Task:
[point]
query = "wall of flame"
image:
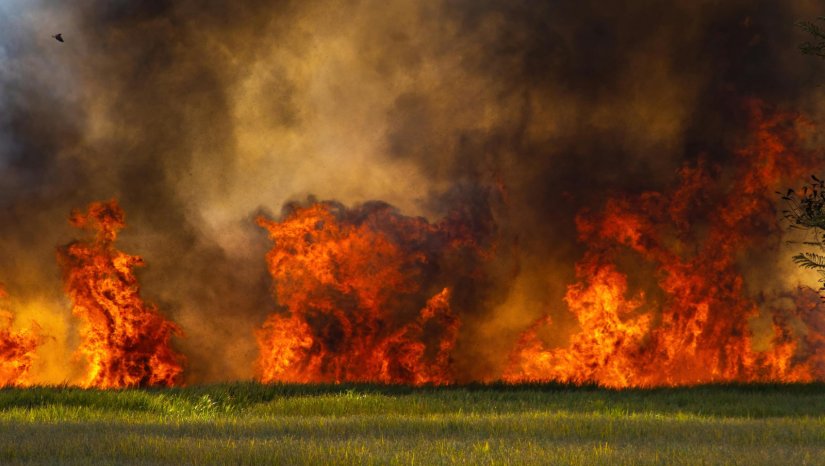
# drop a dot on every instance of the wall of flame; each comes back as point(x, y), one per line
point(200, 116)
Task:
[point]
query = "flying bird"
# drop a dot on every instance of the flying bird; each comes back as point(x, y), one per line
point(58, 37)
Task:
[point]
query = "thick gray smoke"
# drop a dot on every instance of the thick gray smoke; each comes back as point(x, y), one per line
point(197, 115)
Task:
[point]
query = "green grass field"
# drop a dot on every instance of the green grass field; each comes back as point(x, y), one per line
point(247, 423)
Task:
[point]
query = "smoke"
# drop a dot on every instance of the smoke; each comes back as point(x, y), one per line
point(197, 115)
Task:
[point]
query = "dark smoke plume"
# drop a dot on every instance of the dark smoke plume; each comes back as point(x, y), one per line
point(197, 115)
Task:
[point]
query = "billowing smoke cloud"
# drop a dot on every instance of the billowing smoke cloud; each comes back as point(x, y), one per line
point(198, 115)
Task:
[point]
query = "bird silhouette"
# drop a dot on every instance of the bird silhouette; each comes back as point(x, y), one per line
point(58, 37)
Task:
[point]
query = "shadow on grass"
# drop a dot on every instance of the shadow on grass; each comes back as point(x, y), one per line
point(722, 400)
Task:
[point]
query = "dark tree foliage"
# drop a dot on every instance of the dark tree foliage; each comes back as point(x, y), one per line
point(817, 47)
point(806, 211)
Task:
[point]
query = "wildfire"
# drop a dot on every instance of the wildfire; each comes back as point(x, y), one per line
point(17, 350)
point(360, 295)
point(125, 340)
point(696, 329)
point(367, 294)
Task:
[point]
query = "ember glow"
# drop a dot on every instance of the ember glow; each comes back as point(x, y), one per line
point(125, 341)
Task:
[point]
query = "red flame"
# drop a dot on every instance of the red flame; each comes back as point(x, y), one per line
point(351, 283)
point(125, 340)
point(692, 326)
point(367, 294)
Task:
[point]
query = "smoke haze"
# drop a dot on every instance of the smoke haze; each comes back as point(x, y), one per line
point(198, 116)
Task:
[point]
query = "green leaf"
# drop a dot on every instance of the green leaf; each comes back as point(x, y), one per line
point(810, 260)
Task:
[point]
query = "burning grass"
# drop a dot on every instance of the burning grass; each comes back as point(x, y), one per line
point(672, 288)
point(367, 294)
point(377, 424)
point(125, 340)
point(691, 240)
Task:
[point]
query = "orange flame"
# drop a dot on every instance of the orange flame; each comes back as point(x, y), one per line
point(695, 328)
point(17, 350)
point(125, 341)
point(350, 282)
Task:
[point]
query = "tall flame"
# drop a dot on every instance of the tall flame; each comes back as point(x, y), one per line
point(17, 349)
point(354, 286)
point(693, 325)
point(125, 340)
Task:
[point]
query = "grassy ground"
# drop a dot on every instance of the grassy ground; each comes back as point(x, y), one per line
point(360, 424)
